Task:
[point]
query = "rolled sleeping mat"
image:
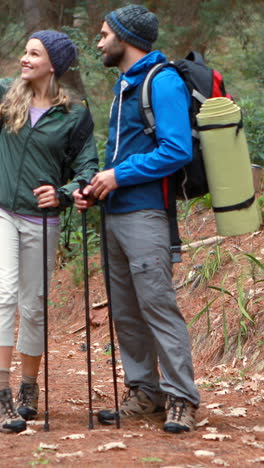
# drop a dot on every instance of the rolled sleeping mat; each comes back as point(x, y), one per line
point(217, 104)
point(217, 108)
point(228, 167)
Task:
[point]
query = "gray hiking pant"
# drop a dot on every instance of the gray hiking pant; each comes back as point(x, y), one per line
point(149, 325)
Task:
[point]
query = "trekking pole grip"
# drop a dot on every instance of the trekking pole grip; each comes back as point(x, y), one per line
point(82, 184)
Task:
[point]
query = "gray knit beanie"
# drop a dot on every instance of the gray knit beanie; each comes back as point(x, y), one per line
point(134, 24)
point(62, 51)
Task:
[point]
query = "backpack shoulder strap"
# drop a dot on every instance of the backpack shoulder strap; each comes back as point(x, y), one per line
point(193, 63)
point(145, 104)
point(80, 133)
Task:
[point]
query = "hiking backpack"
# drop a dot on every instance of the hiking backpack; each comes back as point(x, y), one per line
point(202, 82)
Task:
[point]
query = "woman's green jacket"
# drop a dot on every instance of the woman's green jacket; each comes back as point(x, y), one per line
point(59, 140)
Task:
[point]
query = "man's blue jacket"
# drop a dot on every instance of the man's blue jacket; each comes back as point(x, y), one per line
point(140, 162)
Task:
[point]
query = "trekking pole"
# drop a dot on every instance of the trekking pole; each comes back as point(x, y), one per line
point(110, 314)
point(45, 310)
point(82, 184)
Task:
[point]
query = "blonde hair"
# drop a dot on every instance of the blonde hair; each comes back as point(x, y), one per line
point(14, 108)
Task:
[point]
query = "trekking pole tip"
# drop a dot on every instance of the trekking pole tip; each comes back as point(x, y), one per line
point(117, 418)
point(46, 426)
point(90, 424)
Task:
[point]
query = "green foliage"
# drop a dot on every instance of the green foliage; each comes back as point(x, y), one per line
point(255, 260)
point(151, 460)
point(242, 301)
point(41, 456)
point(211, 264)
point(242, 295)
point(70, 250)
point(188, 208)
point(201, 313)
point(253, 118)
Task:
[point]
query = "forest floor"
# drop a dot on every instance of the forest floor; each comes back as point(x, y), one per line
point(230, 420)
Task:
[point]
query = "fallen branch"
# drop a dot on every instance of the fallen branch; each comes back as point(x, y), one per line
point(209, 241)
point(98, 305)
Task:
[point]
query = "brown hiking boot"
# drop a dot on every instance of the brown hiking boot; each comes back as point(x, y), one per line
point(10, 420)
point(27, 401)
point(135, 403)
point(180, 415)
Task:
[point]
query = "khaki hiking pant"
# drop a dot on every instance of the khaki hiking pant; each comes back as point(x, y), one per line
point(21, 281)
point(149, 325)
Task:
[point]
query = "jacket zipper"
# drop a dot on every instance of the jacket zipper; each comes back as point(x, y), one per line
point(123, 86)
point(23, 158)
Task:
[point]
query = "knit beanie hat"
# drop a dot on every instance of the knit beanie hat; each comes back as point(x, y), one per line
point(134, 24)
point(62, 51)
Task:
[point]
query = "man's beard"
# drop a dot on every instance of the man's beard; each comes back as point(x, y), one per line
point(113, 59)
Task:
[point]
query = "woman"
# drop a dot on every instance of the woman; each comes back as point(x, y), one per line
point(42, 130)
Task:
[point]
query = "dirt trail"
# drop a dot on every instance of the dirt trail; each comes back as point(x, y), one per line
point(230, 430)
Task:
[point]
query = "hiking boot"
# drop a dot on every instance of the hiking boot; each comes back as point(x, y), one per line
point(135, 403)
point(27, 401)
point(10, 420)
point(180, 415)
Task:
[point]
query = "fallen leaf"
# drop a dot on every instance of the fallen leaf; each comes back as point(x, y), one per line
point(27, 432)
point(44, 446)
point(35, 423)
point(214, 436)
point(258, 429)
point(241, 428)
point(222, 392)
point(251, 440)
point(257, 460)
point(76, 402)
point(239, 387)
point(203, 381)
point(99, 392)
point(217, 411)
point(222, 384)
point(73, 437)
point(255, 400)
point(257, 377)
point(73, 454)
point(214, 405)
point(173, 466)
point(202, 423)
point(110, 446)
point(219, 461)
point(212, 429)
point(237, 412)
point(203, 453)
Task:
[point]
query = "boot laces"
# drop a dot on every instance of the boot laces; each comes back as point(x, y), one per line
point(176, 407)
point(26, 394)
point(7, 406)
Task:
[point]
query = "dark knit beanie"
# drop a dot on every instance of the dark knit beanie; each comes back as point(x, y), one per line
point(134, 24)
point(62, 51)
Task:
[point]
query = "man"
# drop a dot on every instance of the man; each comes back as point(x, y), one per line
point(149, 325)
